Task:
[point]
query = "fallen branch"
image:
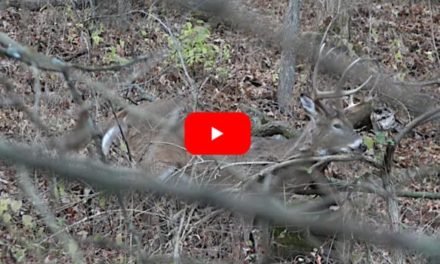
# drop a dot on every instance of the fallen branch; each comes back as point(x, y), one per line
point(123, 179)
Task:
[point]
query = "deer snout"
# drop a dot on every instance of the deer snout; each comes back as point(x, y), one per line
point(363, 147)
point(358, 146)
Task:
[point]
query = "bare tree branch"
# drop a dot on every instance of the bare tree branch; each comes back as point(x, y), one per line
point(70, 245)
point(122, 179)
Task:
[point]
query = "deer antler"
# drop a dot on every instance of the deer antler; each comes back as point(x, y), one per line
point(338, 92)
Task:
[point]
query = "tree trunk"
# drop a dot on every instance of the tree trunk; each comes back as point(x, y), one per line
point(287, 72)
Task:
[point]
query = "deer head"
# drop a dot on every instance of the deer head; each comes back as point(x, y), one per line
point(329, 131)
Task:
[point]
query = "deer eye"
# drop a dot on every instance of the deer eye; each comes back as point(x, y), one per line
point(337, 126)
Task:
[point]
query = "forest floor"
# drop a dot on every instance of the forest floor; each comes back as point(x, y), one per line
point(403, 38)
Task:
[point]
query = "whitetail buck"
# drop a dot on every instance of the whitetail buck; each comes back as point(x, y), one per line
point(158, 149)
point(328, 132)
point(157, 146)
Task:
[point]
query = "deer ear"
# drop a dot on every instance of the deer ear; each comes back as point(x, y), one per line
point(308, 105)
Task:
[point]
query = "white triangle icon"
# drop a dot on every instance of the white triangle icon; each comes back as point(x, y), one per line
point(215, 133)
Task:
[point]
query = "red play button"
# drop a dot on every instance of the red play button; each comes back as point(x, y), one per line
point(217, 133)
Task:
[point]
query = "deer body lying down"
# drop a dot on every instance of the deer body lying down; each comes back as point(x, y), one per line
point(148, 141)
point(158, 145)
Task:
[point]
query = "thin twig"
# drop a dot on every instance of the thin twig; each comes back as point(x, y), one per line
point(435, 49)
point(69, 244)
point(122, 179)
point(124, 138)
point(391, 147)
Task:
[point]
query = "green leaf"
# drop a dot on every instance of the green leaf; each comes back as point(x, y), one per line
point(6, 218)
point(61, 221)
point(4, 205)
point(16, 205)
point(369, 142)
point(381, 138)
point(398, 56)
point(27, 221)
point(102, 200)
point(40, 231)
point(119, 239)
point(430, 55)
point(97, 237)
point(196, 47)
point(96, 37)
point(309, 170)
point(59, 190)
point(19, 254)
